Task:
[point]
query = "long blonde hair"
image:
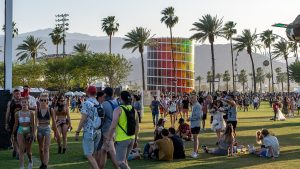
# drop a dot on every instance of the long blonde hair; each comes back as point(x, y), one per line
point(259, 137)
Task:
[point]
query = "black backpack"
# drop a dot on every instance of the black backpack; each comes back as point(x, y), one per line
point(131, 122)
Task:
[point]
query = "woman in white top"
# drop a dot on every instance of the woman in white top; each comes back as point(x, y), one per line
point(218, 123)
point(172, 107)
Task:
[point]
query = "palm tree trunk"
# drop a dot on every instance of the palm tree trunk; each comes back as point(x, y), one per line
point(288, 75)
point(227, 85)
point(253, 72)
point(282, 86)
point(269, 85)
point(271, 64)
point(232, 66)
point(219, 85)
point(199, 84)
point(109, 44)
point(174, 66)
point(213, 65)
point(56, 49)
point(143, 70)
point(243, 87)
point(260, 87)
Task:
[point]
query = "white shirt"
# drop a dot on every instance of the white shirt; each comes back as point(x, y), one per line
point(32, 101)
point(256, 100)
point(271, 141)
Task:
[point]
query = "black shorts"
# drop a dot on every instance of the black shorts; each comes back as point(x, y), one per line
point(171, 113)
point(234, 123)
point(225, 117)
point(204, 116)
point(195, 130)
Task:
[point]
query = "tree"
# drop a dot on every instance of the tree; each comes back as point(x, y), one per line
point(226, 78)
point(269, 76)
point(199, 78)
point(295, 71)
point(170, 19)
point(137, 39)
point(268, 38)
point(282, 49)
point(281, 78)
point(243, 78)
point(29, 74)
point(110, 26)
point(15, 29)
point(209, 79)
point(80, 48)
point(260, 77)
point(294, 49)
point(229, 31)
point(248, 41)
point(219, 76)
point(208, 28)
point(30, 48)
point(56, 37)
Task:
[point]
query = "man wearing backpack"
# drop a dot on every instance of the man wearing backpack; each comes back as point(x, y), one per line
point(125, 124)
point(108, 107)
point(90, 122)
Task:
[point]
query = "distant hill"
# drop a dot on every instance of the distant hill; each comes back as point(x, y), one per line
point(100, 44)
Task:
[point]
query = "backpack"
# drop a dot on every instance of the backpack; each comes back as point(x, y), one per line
point(131, 122)
point(98, 116)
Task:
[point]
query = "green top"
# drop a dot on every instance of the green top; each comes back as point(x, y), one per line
point(120, 134)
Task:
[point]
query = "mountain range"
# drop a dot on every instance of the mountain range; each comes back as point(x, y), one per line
point(202, 53)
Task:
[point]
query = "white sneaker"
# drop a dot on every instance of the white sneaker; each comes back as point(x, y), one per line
point(30, 165)
point(194, 155)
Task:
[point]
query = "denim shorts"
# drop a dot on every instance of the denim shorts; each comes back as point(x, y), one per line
point(90, 142)
point(44, 131)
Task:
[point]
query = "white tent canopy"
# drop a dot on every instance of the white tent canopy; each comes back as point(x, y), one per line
point(69, 93)
point(79, 93)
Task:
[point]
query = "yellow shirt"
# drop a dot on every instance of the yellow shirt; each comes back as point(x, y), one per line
point(166, 149)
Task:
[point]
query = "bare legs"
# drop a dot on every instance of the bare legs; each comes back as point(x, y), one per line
point(62, 131)
point(44, 143)
point(22, 146)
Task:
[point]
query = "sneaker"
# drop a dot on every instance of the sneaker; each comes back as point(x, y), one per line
point(194, 155)
point(30, 165)
point(64, 150)
point(14, 154)
point(59, 150)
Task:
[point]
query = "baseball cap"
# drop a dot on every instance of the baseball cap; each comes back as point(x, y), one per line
point(92, 90)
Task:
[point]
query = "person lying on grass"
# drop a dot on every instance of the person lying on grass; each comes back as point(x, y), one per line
point(226, 142)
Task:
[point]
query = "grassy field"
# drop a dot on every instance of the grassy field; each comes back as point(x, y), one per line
point(248, 123)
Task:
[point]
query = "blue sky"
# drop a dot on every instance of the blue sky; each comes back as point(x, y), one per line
point(85, 15)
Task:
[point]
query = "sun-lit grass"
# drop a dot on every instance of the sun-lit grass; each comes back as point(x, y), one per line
point(286, 131)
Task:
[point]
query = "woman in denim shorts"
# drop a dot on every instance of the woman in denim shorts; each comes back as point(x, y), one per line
point(43, 115)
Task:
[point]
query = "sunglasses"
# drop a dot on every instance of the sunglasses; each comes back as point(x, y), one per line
point(43, 100)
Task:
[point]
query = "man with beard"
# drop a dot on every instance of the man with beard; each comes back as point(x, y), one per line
point(13, 106)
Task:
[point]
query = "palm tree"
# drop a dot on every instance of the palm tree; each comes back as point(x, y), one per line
point(229, 31)
point(31, 48)
point(226, 78)
point(15, 29)
point(281, 78)
point(247, 41)
point(56, 37)
point(269, 76)
point(294, 48)
point(243, 78)
point(209, 79)
point(209, 28)
point(218, 76)
point(170, 19)
point(80, 48)
point(268, 38)
point(110, 26)
point(199, 78)
point(137, 39)
point(260, 77)
point(282, 49)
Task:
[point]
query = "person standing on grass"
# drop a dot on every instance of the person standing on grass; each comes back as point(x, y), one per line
point(172, 107)
point(42, 117)
point(256, 103)
point(13, 106)
point(206, 106)
point(185, 107)
point(154, 109)
point(137, 106)
point(195, 120)
point(109, 105)
point(63, 122)
point(125, 124)
point(91, 130)
point(232, 112)
point(25, 128)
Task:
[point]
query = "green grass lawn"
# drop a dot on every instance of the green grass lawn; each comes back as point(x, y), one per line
point(248, 123)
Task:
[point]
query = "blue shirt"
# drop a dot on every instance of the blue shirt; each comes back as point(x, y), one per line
point(155, 105)
point(232, 114)
point(196, 116)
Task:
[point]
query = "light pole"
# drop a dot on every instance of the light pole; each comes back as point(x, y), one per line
point(62, 22)
point(8, 45)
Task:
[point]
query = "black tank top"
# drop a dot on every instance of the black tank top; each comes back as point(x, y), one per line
point(14, 107)
point(46, 117)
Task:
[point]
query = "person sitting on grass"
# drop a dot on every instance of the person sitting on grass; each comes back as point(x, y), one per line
point(269, 144)
point(225, 146)
point(162, 149)
point(177, 144)
point(158, 129)
point(184, 130)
